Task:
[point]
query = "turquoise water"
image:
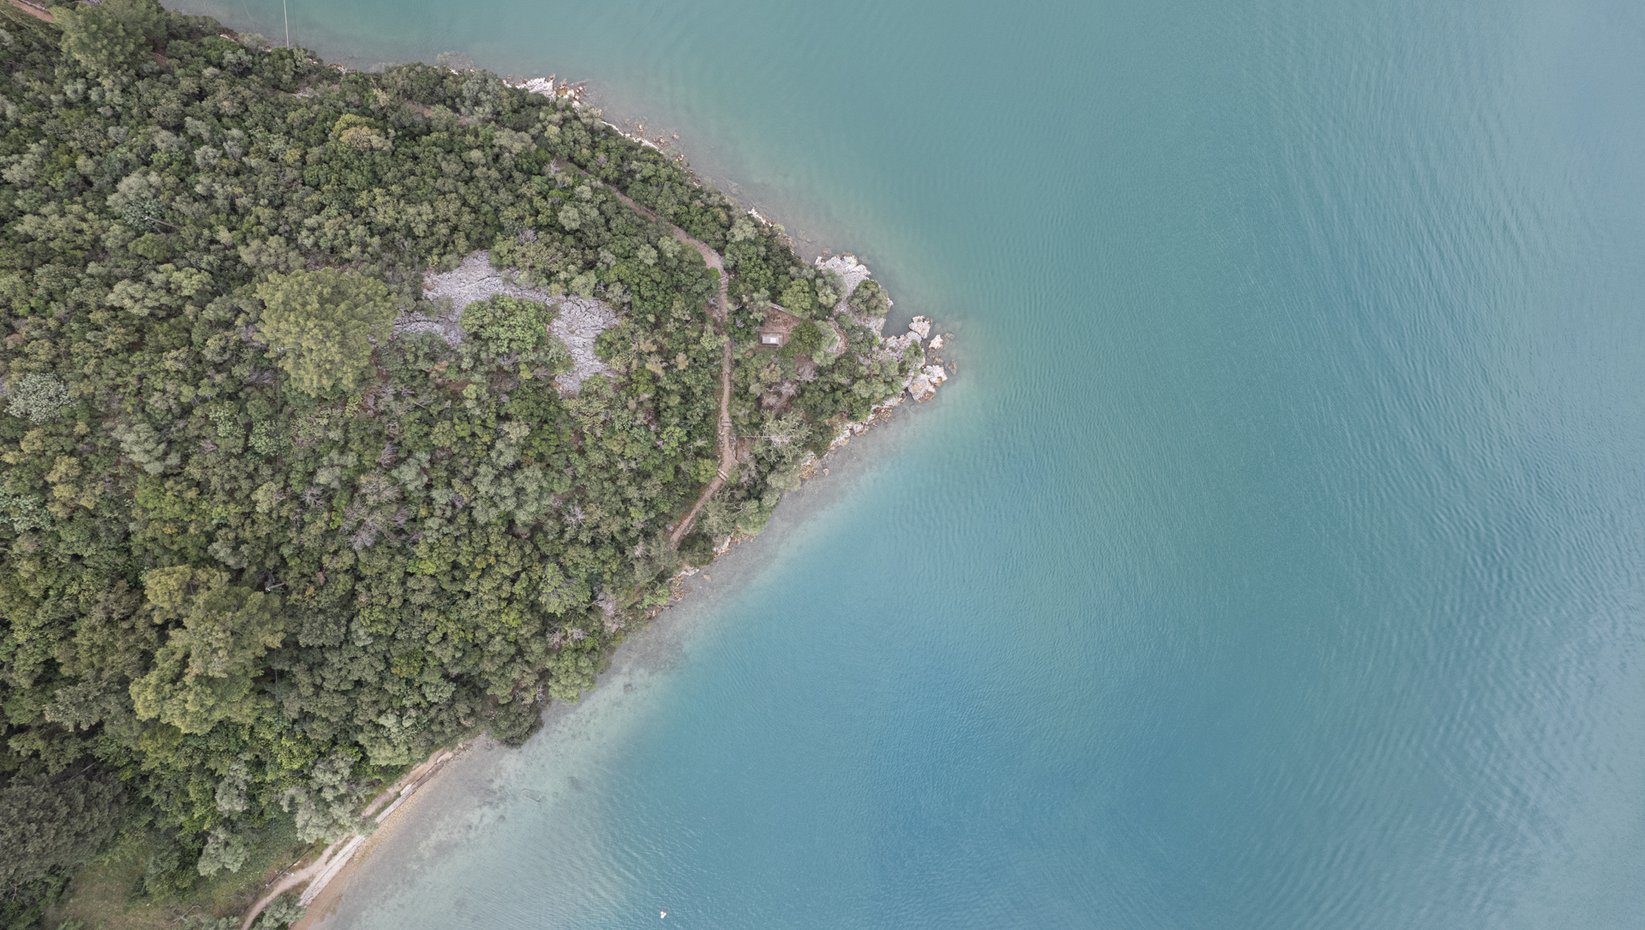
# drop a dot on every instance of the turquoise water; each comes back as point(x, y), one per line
point(1275, 560)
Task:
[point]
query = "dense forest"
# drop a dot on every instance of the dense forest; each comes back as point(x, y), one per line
point(266, 545)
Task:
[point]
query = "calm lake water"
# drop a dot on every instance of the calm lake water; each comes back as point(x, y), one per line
point(1277, 559)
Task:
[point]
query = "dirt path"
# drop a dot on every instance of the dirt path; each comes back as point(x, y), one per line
point(728, 447)
point(727, 437)
point(295, 879)
point(34, 10)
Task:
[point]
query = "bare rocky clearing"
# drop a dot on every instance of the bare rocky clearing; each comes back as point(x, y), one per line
point(578, 321)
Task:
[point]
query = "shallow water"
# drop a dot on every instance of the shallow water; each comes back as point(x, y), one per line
point(1275, 559)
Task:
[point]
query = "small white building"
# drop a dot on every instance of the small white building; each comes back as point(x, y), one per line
point(777, 327)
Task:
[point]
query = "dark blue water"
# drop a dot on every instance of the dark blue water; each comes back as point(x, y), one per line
point(1276, 559)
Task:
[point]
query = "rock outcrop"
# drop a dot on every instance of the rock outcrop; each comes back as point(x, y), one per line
point(923, 386)
point(927, 378)
point(851, 273)
point(578, 321)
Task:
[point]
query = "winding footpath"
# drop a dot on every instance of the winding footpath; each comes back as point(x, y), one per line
point(34, 9)
point(331, 856)
point(727, 437)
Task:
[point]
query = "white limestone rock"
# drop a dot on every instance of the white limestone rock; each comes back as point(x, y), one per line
point(851, 273)
point(552, 86)
point(473, 280)
point(923, 386)
point(579, 322)
point(901, 345)
point(539, 85)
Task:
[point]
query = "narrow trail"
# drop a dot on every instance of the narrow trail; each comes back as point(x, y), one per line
point(34, 9)
point(727, 437)
point(300, 877)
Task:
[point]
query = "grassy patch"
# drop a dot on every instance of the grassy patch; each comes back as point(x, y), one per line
point(107, 892)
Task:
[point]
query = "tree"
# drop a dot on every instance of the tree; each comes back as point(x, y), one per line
point(49, 826)
point(225, 851)
point(804, 341)
point(37, 397)
point(799, 298)
point(322, 326)
point(557, 594)
point(355, 131)
point(869, 300)
point(112, 37)
point(204, 672)
point(324, 804)
point(143, 445)
point(282, 913)
point(507, 324)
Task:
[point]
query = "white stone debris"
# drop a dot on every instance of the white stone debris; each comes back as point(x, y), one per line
point(475, 280)
point(901, 345)
point(552, 87)
point(852, 273)
point(923, 386)
point(578, 321)
point(542, 86)
point(415, 324)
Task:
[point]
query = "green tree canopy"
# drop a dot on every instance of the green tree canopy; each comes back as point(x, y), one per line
point(240, 608)
point(205, 670)
point(48, 826)
point(507, 324)
point(869, 300)
point(112, 37)
point(804, 341)
point(322, 325)
point(36, 397)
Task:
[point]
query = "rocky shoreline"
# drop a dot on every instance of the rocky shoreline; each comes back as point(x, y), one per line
point(921, 386)
point(475, 279)
point(933, 370)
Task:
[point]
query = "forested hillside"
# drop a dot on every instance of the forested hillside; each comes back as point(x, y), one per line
point(265, 543)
